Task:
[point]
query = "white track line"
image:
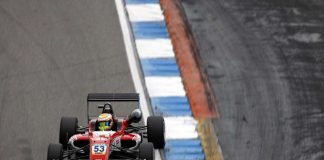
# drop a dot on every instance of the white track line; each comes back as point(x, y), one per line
point(130, 51)
point(145, 12)
point(184, 127)
point(154, 48)
point(165, 86)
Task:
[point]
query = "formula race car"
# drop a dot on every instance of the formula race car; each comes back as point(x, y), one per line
point(108, 137)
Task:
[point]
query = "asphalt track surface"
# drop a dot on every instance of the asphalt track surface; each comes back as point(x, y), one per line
point(265, 61)
point(52, 53)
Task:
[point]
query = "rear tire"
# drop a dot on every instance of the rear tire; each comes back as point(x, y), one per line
point(155, 131)
point(55, 152)
point(68, 128)
point(146, 151)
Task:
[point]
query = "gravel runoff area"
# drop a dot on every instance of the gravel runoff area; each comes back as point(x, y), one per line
point(265, 62)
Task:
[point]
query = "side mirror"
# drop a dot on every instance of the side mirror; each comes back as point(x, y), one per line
point(135, 116)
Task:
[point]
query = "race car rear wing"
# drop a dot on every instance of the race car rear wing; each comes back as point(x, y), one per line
point(113, 97)
point(110, 97)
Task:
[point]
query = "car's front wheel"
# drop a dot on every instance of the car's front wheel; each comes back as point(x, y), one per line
point(146, 151)
point(55, 152)
point(155, 131)
point(68, 128)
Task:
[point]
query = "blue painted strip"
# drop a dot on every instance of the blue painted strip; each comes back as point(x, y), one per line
point(142, 1)
point(185, 157)
point(170, 100)
point(160, 67)
point(160, 61)
point(181, 142)
point(174, 110)
point(184, 149)
point(171, 106)
point(171, 113)
point(150, 30)
point(187, 150)
point(174, 107)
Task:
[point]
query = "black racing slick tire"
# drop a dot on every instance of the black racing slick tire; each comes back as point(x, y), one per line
point(146, 151)
point(68, 128)
point(55, 152)
point(155, 131)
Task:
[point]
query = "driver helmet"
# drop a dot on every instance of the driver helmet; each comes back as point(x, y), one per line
point(105, 122)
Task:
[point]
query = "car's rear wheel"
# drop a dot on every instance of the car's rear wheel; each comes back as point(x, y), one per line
point(155, 131)
point(55, 152)
point(68, 128)
point(146, 151)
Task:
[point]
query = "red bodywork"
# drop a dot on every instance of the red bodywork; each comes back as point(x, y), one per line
point(100, 141)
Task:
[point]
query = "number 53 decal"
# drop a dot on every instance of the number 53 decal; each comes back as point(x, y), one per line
point(99, 149)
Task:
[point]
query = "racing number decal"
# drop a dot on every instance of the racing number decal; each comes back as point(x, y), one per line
point(99, 149)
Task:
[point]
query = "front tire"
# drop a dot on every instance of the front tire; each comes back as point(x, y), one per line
point(146, 151)
point(55, 152)
point(155, 131)
point(68, 128)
